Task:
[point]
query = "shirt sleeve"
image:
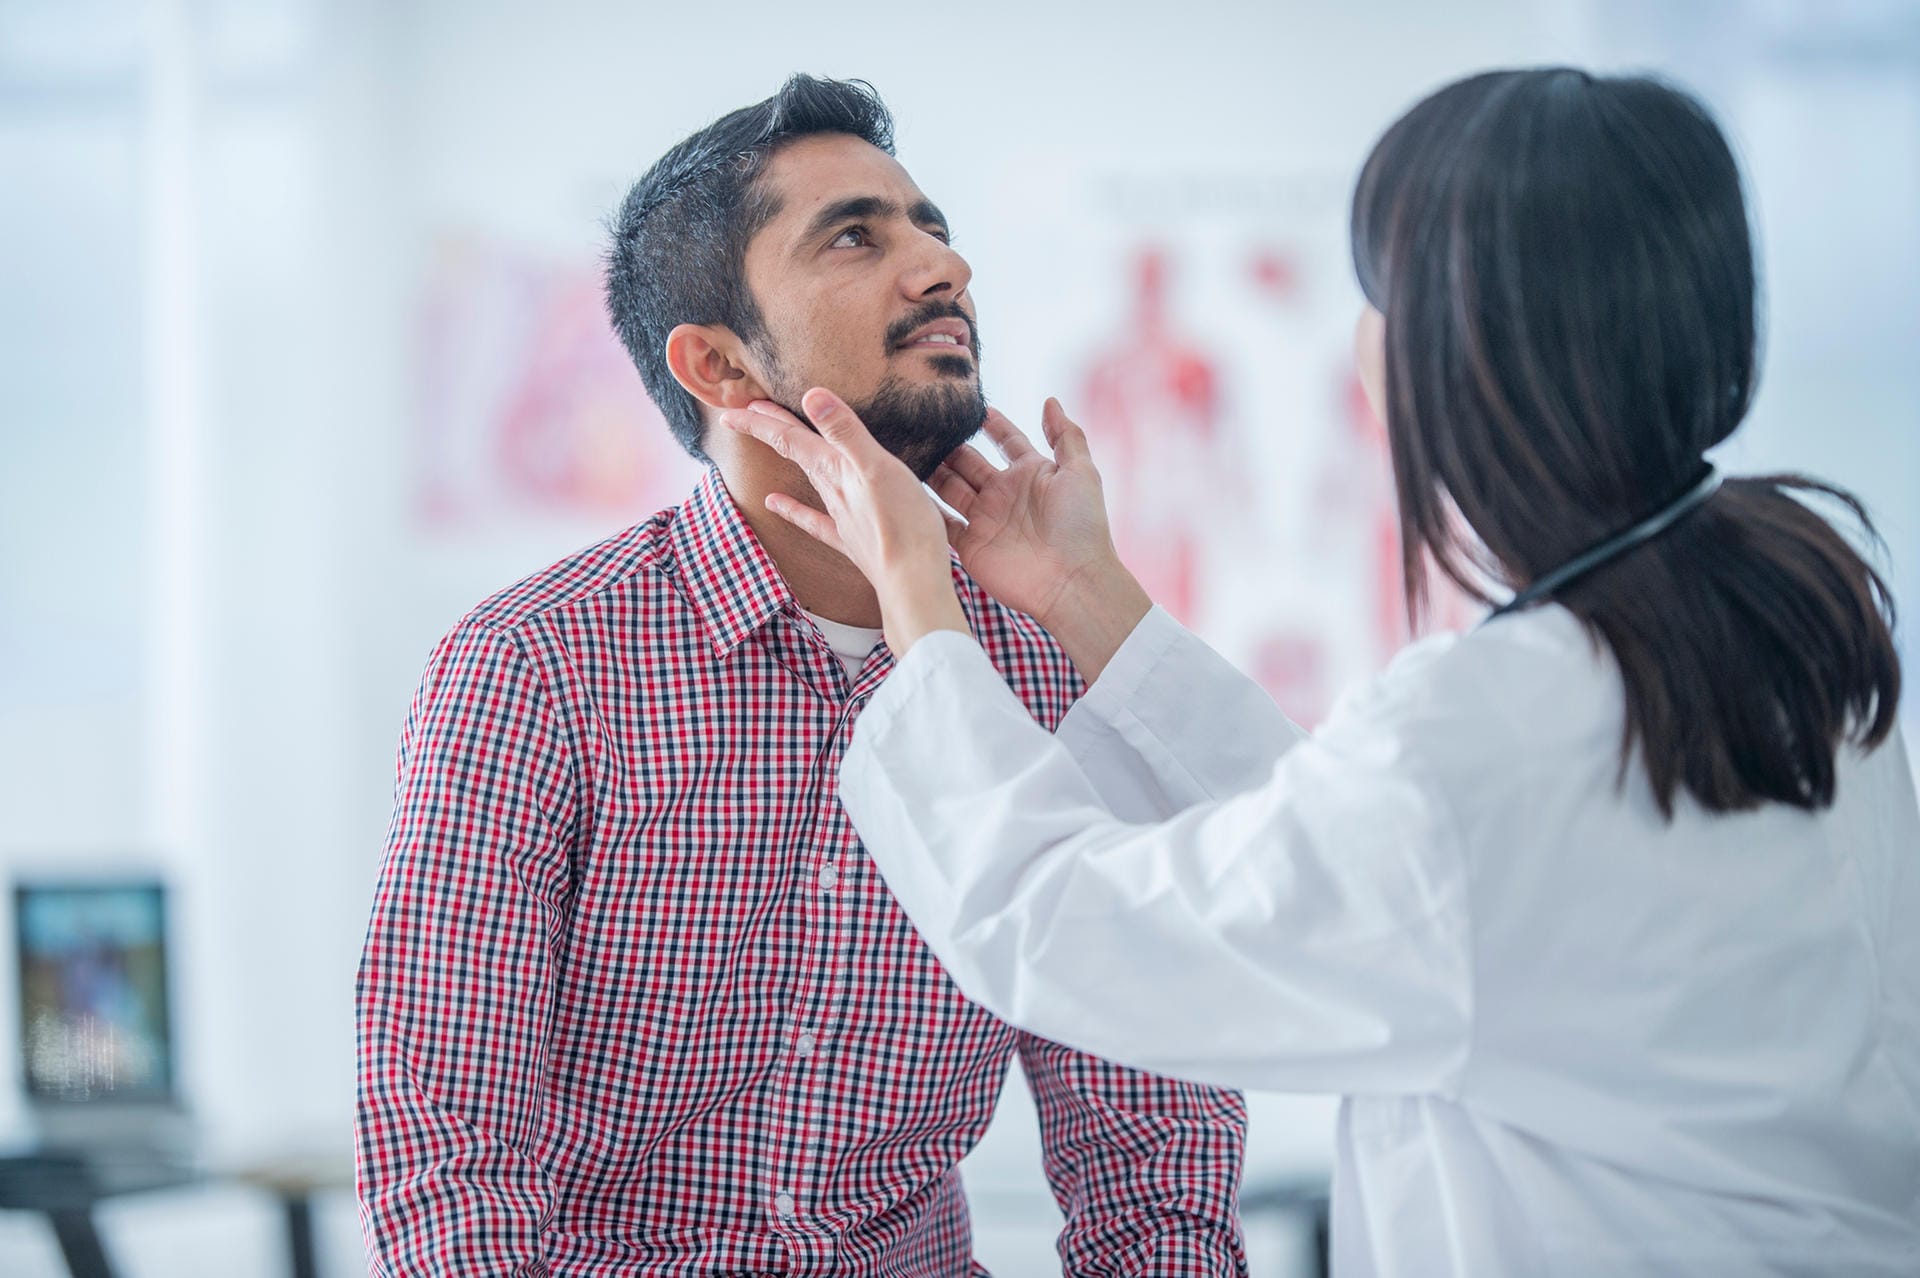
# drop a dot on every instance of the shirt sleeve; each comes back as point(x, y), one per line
point(455, 992)
point(1142, 748)
point(1306, 935)
point(1146, 1170)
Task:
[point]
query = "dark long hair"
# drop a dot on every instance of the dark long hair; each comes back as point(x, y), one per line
point(1565, 268)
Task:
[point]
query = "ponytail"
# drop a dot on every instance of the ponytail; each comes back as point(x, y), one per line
point(1754, 642)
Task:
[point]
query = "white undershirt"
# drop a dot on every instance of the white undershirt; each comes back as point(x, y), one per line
point(852, 644)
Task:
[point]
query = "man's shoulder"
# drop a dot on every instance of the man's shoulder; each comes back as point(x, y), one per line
point(996, 624)
point(633, 563)
point(1031, 661)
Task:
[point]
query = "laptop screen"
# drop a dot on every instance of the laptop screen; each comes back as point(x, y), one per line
point(93, 991)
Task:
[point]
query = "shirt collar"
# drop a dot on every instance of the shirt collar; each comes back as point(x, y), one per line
point(729, 578)
point(731, 581)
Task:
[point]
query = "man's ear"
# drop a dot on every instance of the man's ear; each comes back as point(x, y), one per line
point(705, 360)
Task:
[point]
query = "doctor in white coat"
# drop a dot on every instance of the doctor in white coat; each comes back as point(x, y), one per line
point(1605, 916)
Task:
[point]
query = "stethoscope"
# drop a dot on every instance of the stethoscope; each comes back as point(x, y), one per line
point(1542, 587)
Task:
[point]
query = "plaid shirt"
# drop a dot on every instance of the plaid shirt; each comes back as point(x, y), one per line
point(634, 1000)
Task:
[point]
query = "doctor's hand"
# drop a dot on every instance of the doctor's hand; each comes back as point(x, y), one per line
point(877, 514)
point(1036, 536)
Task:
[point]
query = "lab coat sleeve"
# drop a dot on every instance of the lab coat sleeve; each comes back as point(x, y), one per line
point(1145, 752)
point(1307, 935)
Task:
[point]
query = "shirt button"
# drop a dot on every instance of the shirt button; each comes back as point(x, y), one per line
point(805, 1044)
point(829, 877)
point(783, 1203)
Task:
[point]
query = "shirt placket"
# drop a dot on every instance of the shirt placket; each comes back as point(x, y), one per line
point(802, 1087)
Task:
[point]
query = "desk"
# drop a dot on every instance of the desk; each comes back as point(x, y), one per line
point(295, 1181)
point(65, 1188)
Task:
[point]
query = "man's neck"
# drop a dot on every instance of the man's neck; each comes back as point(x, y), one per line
point(823, 581)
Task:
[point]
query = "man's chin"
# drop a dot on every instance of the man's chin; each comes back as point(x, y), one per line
point(924, 464)
point(937, 423)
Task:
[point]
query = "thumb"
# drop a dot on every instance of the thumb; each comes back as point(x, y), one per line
point(1068, 440)
point(838, 424)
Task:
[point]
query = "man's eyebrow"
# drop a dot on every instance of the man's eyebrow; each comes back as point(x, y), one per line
point(858, 207)
point(925, 213)
point(849, 210)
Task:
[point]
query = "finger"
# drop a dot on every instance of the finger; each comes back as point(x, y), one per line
point(1067, 439)
point(967, 462)
point(953, 490)
point(792, 441)
point(1006, 436)
point(956, 529)
point(839, 425)
point(816, 524)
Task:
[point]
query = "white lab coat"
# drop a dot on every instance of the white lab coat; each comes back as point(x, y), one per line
point(1573, 1039)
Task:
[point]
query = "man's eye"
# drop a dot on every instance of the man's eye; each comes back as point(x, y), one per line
point(852, 237)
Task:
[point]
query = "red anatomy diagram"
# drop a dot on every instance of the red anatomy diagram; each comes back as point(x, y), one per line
point(1153, 404)
point(1178, 480)
point(530, 408)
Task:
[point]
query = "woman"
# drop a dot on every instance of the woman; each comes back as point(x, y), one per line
point(1603, 915)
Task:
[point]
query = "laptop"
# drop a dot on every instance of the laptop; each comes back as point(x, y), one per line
point(96, 1027)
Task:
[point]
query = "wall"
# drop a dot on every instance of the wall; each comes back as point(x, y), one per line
point(216, 584)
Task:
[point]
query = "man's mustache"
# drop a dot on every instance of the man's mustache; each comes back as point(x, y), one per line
point(900, 330)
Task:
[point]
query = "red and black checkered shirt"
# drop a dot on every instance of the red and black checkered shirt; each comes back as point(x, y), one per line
point(634, 1000)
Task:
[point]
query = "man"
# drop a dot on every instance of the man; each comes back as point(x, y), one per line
point(634, 1000)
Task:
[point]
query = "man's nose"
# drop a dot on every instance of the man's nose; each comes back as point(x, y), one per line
point(935, 271)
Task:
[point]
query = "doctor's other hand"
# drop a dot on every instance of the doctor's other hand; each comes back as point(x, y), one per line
point(877, 514)
point(1036, 536)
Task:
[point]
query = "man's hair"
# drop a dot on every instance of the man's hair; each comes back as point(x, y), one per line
point(679, 240)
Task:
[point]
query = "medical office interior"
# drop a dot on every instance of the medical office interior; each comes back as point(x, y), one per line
point(302, 354)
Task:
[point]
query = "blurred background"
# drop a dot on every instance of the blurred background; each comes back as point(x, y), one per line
point(302, 354)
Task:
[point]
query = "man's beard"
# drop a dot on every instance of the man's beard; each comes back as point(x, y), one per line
point(919, 424)
point(922, 424)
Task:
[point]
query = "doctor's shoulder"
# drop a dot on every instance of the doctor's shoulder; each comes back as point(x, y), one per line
point(1520, 691)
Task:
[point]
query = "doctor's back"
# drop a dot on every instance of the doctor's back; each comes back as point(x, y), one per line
point(1690, 1035)
point(1668, 774)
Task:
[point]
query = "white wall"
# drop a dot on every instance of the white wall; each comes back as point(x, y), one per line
point(216, 476)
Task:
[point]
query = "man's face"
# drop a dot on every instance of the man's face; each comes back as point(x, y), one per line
point(861, 293)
